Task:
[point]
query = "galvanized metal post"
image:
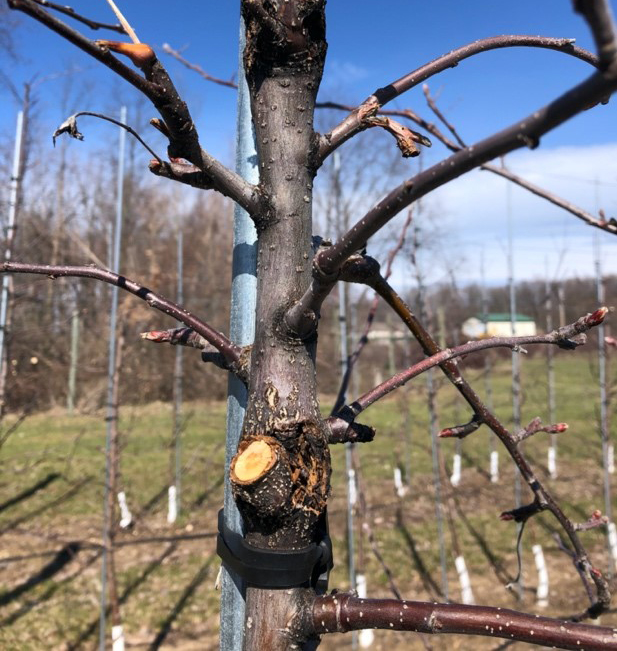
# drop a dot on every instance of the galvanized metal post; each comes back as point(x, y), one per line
point(550, 376)
point(178, 379)
point(242, 332)
point(516, 371)
point(70, 398)
point(488, 385)
point(604, 428)
point(175, 474)
point(9, 237)
point(115, 266)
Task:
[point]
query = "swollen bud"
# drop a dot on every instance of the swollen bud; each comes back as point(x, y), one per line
point(597, 317)
point(139, 53)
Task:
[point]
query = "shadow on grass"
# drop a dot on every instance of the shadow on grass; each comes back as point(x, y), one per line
point(59, 561)
point(20, 497)
point(55, 502)
point(206, 494)
point(189, 591)
point(425, 576)
point(25, 608)
point(495, 562)
point(124, 595)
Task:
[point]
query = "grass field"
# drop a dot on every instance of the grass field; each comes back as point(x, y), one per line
point(51, 491)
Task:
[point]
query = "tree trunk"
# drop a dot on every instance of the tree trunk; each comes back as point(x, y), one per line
point(284, 446)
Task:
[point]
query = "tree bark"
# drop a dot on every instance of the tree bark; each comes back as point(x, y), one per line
point(283, 60)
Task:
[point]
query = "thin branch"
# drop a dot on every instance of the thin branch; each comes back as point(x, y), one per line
point(229, 350)
point(355, 121)
point(196, 68)
point(157, 86)
point(341, 612)
point(70, 126)
point(567, 337)
point(524, 133)
point(610, 226)
point(192, 339)
point(69, 11)
point(123, 21)
point(484, 415)
point(353, 358)
point(600, 19)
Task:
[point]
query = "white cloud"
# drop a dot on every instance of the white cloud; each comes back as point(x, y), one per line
point(476, 209)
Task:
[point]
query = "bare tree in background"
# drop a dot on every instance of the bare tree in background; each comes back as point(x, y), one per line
point(281, 472)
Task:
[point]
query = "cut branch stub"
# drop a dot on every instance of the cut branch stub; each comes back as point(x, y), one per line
point(281, 484)
point(260, 475)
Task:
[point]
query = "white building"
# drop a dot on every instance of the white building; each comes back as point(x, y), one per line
point(498, 325)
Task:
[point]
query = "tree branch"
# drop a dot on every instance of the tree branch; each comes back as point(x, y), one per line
point(157, 86)
point(524, 133)
point(356, 120)
point(567, 337)
point(341, 612)
point(192, 339)
point(70, 126)
point(228, 349)
point(610, 226)
point(483, 415)
point(196, 68)
point(69, 11)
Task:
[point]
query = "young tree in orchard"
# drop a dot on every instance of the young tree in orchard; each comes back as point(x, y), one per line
point(280, 474)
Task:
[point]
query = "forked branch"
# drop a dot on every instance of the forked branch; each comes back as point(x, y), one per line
point(69, 11)
point(157, 86)
point(524, 133)
point(356, 120)
point(610, 225)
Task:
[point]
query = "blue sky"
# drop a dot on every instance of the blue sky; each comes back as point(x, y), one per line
point(371, 44)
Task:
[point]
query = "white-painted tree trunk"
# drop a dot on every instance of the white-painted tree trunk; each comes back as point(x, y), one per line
point(455, 479)
point(172, 505)
point(494, 466)
point(117, 638)
point(126, 517)
point(401, 489)
point(552, 462)
point(465, 582)
point(366, 636)
point(542, 589)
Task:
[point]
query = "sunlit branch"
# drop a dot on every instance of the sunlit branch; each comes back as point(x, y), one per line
point(69, 11)
point(567, 337)
point(363, 340)
point(484, 415)
point(229, 350)
point(160, 90)
point(70, 126)
point(130, 32)
point(354, 122)
point(527, 132)
point(197, 68)
point(610, 226)
point(342, 612)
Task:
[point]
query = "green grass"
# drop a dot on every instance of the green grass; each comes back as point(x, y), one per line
point(64, 456)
